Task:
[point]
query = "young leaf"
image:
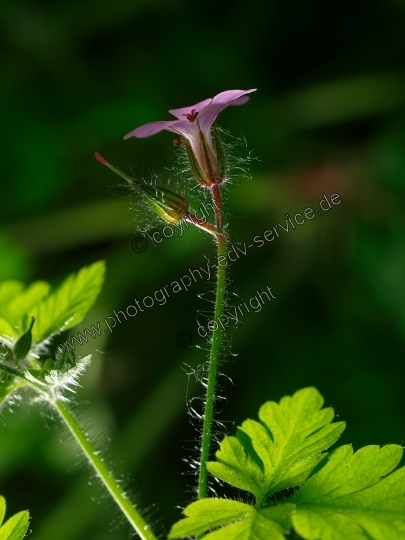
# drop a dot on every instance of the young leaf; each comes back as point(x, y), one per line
point(67, 306)
point(6, 330)
point(8, 290)
point(281, 450)
point(347, 498)
point(2, 508)
point(16, 527)
point(17, 310)
point(240, 522)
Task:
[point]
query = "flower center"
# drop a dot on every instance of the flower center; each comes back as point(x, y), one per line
point(191, 116)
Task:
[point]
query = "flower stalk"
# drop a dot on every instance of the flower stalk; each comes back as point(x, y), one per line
point(221, 239)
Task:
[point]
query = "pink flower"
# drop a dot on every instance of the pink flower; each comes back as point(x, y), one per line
point(194, 125)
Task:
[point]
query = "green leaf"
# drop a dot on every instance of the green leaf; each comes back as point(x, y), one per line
point(67, 306)
point(16, 527)
point(17, 310)
point(2, 508)
point(282, 449)
point(238, 521)
point(8, 290)
point(54, 312)
point(16, 304)
point(237, 466)
point(6, 330)
point(347, 498)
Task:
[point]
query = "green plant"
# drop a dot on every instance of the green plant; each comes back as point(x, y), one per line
point(341, 494)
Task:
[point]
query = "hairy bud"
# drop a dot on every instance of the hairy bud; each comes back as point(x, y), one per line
point(169, 205)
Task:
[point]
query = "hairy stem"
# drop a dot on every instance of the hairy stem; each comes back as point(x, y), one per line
point(102, 471)
point(105, 475)
point(201, 223)
point(215, 347)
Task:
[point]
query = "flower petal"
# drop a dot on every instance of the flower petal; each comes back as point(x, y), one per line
point(149, 129)
point(186, 128)
point(220, 102)
point(230, 95)
point(178, 113)
point(239, 101)
point(190, 131)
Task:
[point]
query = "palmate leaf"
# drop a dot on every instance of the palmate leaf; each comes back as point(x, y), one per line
point(347, 498)
point(238, 521)
point(16, 527)
point(281, 450)
point(343, 496)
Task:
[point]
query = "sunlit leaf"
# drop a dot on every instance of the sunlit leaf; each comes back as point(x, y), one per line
point(238, 521)
point(348, 498)
point(16, 527)
point(18, 310)
point(281, 449)
point(67, 306)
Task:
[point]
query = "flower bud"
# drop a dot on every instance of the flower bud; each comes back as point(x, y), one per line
point(23, 345)
point(169, 205)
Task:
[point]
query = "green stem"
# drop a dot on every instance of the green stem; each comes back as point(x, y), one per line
point(102, 471)
point(215, 347)
point(201, 224)
point(115, 490)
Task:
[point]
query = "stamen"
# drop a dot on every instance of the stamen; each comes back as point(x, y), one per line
point(191, 116)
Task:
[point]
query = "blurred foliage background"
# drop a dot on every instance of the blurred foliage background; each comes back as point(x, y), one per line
point(328, 117)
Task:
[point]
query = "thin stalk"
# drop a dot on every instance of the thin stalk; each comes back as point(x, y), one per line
point(221, 240)
point(102, 471)
point(201, 224)
point(105, 475)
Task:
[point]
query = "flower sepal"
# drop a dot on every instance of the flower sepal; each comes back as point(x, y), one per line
point(195, 167)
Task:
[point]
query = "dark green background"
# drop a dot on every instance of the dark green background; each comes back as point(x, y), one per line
point(328, 117)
